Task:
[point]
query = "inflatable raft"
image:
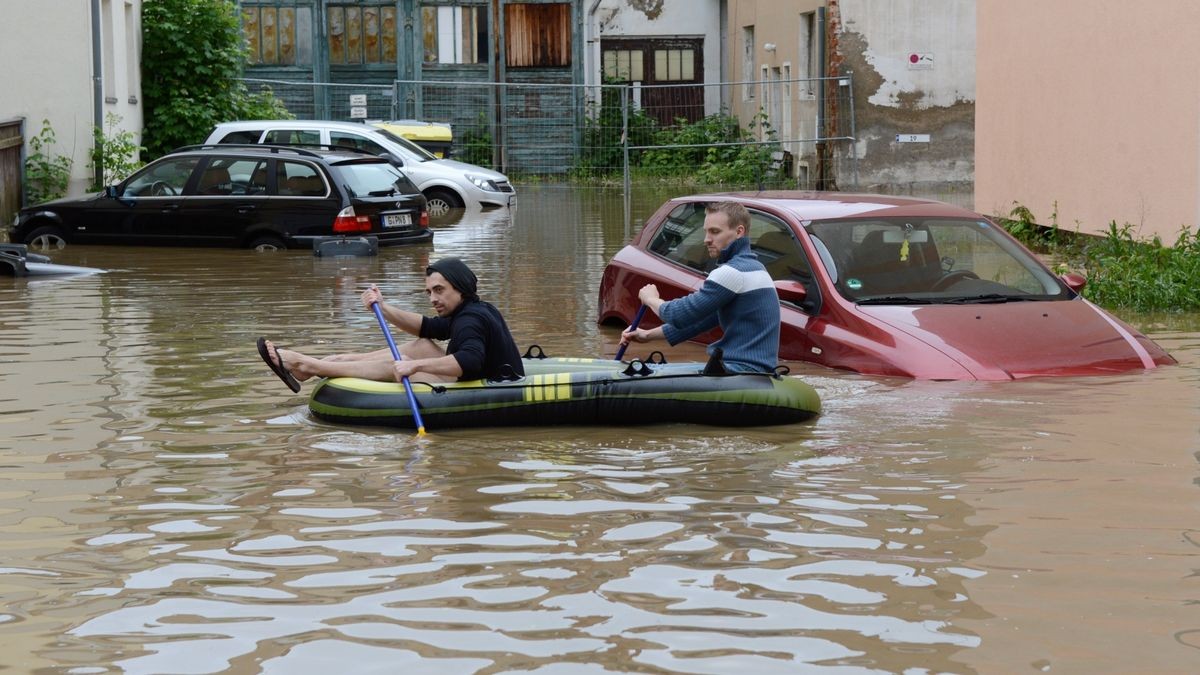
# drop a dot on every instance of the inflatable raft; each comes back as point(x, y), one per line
point(576, 391)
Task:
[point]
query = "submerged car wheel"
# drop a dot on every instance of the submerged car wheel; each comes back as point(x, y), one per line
point(267, 243)
point(46, 238)
point(441, 201)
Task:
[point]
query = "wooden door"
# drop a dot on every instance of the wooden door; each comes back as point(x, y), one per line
point(12, 139)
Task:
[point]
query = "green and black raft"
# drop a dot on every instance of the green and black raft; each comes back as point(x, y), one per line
point(577, 391)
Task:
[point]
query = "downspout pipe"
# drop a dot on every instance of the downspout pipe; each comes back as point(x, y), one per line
point(97, 88)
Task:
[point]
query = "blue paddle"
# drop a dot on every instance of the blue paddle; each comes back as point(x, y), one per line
point(412, 400)
point(636, 320)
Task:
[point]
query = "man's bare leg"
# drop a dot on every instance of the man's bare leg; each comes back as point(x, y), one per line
point(304, 367)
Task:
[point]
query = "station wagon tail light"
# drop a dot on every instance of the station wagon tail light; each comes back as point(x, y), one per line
point(347, 221)
point(423, 221)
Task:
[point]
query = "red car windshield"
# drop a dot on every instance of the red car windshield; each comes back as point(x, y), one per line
point(930, 261)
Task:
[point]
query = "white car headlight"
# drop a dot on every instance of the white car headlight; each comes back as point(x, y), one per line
point(481, 182)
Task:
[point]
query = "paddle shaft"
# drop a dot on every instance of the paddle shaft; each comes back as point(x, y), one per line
point(412, 399)
point(636, 320)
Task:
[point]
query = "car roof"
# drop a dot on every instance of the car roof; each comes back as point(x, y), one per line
point(297, 124)
point(330, 154)
point(814, 205)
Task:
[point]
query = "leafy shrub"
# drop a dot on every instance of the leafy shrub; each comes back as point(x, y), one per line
point(476, 144)
point(192, 57)
point(115, 152)
point(46, 174)
point(714, 150)
point(602, 151)
point(1140, 274)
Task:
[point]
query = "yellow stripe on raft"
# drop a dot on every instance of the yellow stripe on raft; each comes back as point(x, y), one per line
point(550, 387)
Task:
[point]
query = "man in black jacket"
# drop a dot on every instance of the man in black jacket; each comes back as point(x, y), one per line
point(480, 344)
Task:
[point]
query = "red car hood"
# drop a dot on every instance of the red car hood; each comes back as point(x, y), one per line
point(1025, 339)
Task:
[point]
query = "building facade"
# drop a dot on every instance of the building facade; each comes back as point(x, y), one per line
point(1083, 120)
point(71, 65)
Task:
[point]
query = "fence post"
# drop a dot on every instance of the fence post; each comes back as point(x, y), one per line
point(628, 182)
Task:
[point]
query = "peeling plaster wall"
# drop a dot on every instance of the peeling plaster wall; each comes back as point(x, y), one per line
point(913, 65)
point(659, 18)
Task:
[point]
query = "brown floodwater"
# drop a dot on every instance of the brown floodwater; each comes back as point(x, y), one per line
point(167, 506)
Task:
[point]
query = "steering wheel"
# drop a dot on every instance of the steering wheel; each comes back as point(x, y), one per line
point(161, 189)
point(953, 277)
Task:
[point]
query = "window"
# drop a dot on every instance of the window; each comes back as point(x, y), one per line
point(807, 64)
point(245, 137)
point(623, 65)
point(347, 140)
point(292, 137)
point(278, 34)
point(362, 33)
point(748, 63)
point(455, 34)
point(296, 178)
point(162, 179)
point(537, 35)
point(674, 65)
point(681, 238)
point(777, 249)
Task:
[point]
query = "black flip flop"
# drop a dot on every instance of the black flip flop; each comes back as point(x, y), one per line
point(280, 370)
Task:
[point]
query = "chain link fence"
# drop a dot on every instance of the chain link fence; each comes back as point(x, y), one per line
point(733, 135)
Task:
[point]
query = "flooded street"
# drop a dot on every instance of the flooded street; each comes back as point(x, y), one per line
point(168, 506)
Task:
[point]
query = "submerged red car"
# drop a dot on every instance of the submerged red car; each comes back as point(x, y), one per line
point(893, 286)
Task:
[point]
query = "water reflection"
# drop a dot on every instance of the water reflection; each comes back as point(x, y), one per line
point(166, 506)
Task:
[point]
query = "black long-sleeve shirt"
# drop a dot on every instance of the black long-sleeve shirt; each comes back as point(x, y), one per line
point(479, 340)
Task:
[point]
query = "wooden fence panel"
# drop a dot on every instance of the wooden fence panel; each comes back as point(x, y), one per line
point(12, 139)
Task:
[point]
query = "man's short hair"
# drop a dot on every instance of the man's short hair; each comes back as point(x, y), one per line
point(735, 212)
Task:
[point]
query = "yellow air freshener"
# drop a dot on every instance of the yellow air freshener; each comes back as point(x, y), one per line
point(904, 250)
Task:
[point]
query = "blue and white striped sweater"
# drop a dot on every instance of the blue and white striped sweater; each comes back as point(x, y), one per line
point(740, 297)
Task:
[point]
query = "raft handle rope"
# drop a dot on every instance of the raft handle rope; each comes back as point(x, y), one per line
point(781, 371)
point(637, 367)
point(530, 354)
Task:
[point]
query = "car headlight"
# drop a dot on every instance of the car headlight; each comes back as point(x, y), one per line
point(481, 182)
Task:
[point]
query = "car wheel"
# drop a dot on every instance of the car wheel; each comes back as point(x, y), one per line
point(267, 242)
point(46, 238)
point(441, 201)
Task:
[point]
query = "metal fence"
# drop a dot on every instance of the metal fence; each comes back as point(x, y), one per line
point(755, 134)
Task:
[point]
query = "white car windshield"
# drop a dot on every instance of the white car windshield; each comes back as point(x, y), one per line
point(419, 153)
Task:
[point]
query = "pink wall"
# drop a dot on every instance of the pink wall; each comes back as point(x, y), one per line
point(1093, 104)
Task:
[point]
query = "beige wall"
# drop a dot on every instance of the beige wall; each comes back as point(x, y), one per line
point(46, 49)
point(1093, 105)
point(790, 106)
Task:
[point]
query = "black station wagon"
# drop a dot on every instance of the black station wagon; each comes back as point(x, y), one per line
point(253, 196)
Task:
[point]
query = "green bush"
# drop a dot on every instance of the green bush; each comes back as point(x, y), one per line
point(1140, 274)
point(192, 58)
point(47, 175)
point(728, 154)
point(1122, 270)
point(602, 150)
point(476, 144)
point(115, 152)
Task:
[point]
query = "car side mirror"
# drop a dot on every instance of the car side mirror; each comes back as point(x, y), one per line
point(1074, 281)
point(111, 191)
point(791, 291)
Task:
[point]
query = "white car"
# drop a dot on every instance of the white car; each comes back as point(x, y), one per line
point(447, 184)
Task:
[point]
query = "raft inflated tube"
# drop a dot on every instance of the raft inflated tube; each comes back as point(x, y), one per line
point(671, 393)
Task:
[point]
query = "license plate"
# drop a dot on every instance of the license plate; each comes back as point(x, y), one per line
point(397, 220)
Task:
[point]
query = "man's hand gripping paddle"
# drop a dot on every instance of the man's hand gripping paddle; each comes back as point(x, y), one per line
point(395, 354)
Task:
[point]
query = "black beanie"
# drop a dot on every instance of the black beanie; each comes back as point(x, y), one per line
point(458, 274)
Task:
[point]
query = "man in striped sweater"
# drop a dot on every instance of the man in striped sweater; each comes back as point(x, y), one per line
point(739, 296)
